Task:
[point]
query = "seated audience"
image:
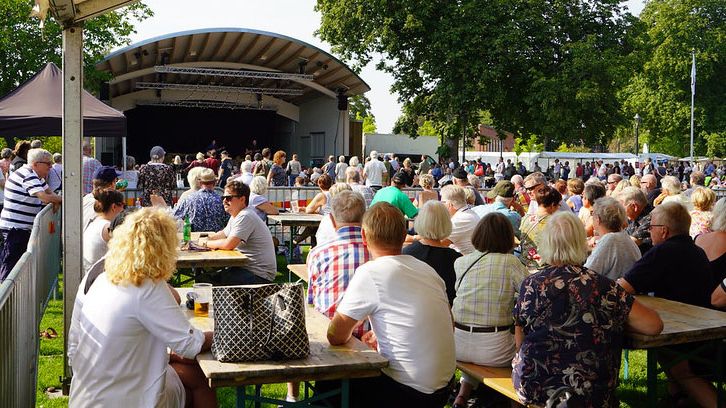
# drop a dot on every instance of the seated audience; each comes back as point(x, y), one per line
point(246, 232)
point(461, 179)
point(395, 196)
point(203, 207)
point(536, 183)
point(258, 199)
point(433, 227)
point(246, 176)
point(548, 202)
point(661, 271)
point(714, 245)
point(569, 323)
point(638, 212)
point(193, 179)
point(649, 185)
point(487, 281)
point(614, 252)
point(701, 216)
point(109, 203)
point(463, 219)
point(326, 229)
point(613, 181)
point(697, 179)
point(502, 196)
point(671, 193)
point(426, 181)
point(129, 315)
point(104, 178)
point(591, 192)
point(575, 187)
point(405, 300)
point(352, 178)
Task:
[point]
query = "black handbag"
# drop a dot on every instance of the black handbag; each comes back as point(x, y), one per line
point(259, 322)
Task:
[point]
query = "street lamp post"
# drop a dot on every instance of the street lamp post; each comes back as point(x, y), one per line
point(638, 119)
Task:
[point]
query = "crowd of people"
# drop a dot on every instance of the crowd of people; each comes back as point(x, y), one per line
point(538, 273)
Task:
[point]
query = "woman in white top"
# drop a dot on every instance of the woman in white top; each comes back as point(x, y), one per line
point(258, 199)
point(615, 252)
point(124, 322)
point(109, 203)
point(340, 169)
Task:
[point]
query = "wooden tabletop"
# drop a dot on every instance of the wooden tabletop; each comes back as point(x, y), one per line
point(682, 323)
point(218, 258)
point(301, 270)
point(326, 362)
point(297, 219)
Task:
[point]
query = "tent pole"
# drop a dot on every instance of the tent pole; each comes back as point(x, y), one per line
point(123, 154)
point(72, 176)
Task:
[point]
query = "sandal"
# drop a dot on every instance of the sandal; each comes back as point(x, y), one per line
point(49, 333)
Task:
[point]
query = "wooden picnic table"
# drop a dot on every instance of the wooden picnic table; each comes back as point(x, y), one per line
point(682, 324)
point(325, 362)
point(294, 221)
point(300, 270)
point(218, 258)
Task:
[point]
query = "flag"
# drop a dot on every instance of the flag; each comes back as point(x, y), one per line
point(693, 73)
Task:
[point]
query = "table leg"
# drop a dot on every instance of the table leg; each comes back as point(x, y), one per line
point(720, 361)
point(652, 377)
point(241, 396)
point(258, 393)
point(345, 393)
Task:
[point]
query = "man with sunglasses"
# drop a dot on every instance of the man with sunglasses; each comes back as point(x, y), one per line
point(534, 183)
point(26, 193)
point(247, 233)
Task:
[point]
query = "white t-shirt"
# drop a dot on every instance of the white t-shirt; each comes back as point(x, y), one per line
point(373, 171)
point(613, 255)
point(406, 301)
point(326, 230)
point(94, 247)
point(256, 243)
point(533, 207)
point(88, 213)
point(463, 224)
point(117, 344)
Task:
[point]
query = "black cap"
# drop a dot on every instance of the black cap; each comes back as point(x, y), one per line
point(460, 173)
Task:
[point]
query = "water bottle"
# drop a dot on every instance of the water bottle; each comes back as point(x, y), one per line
point(187, 230)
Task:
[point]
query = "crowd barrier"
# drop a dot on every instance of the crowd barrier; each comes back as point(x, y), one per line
point(24, 296)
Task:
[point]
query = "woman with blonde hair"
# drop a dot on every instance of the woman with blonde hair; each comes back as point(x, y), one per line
point(426, 181)
point(701, 216)
point(635, 181)
point(128, 314)
point(571, 320)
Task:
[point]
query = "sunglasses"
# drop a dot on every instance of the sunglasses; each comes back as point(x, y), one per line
point(229, 197)
point(651, 226)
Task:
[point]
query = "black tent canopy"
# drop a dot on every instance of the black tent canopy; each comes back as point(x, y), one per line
point(35, 109)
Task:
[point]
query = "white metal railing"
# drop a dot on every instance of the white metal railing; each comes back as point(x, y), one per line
point(24, 294)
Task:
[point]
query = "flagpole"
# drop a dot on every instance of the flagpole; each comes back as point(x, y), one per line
point(693, 95)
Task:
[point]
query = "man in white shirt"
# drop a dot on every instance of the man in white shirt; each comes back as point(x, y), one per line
point(463, 219)
point(406, 303)
point(373, 172)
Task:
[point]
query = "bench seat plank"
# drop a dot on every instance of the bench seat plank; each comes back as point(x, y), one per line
point(496, 378)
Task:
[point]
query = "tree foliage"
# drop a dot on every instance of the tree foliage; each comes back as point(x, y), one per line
point(536, 67)
point(661, 93)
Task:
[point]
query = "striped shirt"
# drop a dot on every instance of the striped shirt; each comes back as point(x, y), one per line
point(331, 267)
point(20, 204)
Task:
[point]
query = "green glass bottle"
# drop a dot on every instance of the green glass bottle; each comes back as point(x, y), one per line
point(187, 230)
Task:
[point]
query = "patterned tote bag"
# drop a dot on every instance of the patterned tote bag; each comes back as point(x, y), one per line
point(259, 322)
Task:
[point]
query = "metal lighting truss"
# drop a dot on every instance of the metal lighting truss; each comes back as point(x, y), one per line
point(165, 69)
point(208, 105)
point(220, 88)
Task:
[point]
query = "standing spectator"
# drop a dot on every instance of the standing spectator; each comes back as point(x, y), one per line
point(156, 178)
point(276, 175)
point(374, 171)
point(354, 162)
point(395, 165)
point(198, 162)
point(293, 169)
point(340, 169)
point(571, 320)
point(131, 175)
point(55, 176)
point(25, 196)
point(109, 204)
point(263, 165)
point(329, 167)
point(615, 253)
point(6, 156)
point(463, 219)
point(204, 207)
point(424, 166)
point(225, 169)
point(90, 165)
point(353, 180)
point(433, 227)
point(105, 178)
point(557, 170)
point(407, 173)
point(499, 171)
point(488, 280)
point(701, 216)
point(566, 171)
point(212, 162)
point(20, 155)
point(406, 303)
point(246, 232)
point(389, 170)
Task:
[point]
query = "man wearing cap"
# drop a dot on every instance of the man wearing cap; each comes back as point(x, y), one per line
point(461, 179)
point(26, 193)
point(394, 196)
point(536, 182)
point(503, 196)
point(104, 178)
point(203, 207)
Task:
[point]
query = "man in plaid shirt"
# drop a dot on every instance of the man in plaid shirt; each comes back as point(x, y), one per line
point(331, 265)
point(90, 165)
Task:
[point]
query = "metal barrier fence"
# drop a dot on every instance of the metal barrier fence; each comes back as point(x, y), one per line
point(23, 298)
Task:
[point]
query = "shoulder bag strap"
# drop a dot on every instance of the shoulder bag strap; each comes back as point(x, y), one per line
point(467, 269)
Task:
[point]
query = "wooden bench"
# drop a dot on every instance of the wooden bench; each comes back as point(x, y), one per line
point(497, 378)
point(300, 270)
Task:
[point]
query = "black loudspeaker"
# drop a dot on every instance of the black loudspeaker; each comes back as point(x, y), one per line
point(342, 102)
point(104, 93)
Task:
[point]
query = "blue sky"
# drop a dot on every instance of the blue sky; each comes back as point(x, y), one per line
point(294, 18)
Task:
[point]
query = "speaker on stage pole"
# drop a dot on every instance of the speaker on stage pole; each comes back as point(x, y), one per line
point(342, 102)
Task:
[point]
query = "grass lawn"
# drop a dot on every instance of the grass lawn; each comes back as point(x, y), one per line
point(632, 391)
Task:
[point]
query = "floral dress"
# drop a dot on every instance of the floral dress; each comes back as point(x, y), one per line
point(700, 222)
point(573, 321)
point(156, 178)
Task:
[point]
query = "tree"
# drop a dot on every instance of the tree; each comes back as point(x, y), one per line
point(536, 67)
point(660, 92)
point(25, 48)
